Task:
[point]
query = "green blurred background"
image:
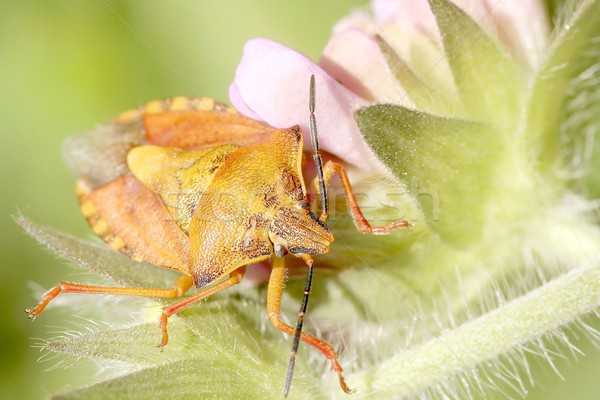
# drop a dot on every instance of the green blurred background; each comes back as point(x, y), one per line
point(65, 66)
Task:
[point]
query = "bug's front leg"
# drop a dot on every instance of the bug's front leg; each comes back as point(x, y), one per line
point(274, 293)
point(235, 278)
point(359, 219)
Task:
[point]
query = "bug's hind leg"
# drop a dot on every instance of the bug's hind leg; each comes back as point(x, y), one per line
point(179, 288)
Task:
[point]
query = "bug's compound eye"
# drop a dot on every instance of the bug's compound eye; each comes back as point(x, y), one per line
point(305, 205)
point(280, 250)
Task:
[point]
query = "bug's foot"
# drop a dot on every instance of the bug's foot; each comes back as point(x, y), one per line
point(51, 294)
point(338, 369)
point(344, 386)
point(165, 334)
point(163, 343)
point(34, 312)
point(31, 314)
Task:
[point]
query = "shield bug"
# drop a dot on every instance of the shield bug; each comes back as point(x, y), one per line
point(191, 185)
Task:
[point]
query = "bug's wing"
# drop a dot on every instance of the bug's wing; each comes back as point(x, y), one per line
point(178, 176)
point(99, 156)
point(118, 206)
point(200, 128)
point(119, 212)
point(195, 122)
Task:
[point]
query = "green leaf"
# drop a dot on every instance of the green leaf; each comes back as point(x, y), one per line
point(488, 79)
point(213, 377)
point(446, 163)
point(564, 109)
point(224, 357)
point(98, 258)
point(222, 340)
point(109, 344)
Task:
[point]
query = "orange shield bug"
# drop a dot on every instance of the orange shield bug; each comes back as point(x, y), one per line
point(191, 185)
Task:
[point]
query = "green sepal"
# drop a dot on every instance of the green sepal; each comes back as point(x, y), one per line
point(488, 80)
point(419, 91)
point(446, 163)
point(564, 108)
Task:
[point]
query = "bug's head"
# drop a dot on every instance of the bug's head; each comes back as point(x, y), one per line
point(298, 231)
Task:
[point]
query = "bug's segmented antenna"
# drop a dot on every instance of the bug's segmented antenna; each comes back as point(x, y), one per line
point(315, 144)
point(298, 331)
point(324, 208)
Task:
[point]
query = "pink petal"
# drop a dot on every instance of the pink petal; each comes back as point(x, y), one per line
point(356, 20)
point(408, 14)
point(354, 59)
point(272, 82)
point(523, 28)
point(236, 99)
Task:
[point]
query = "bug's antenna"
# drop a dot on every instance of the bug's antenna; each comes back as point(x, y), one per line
point(298, 331)
point(309, 261)
point(315, 144)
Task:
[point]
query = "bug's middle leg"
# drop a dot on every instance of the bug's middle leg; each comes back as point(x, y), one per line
point(361, 223)
point(234, 278)
point(274, 293)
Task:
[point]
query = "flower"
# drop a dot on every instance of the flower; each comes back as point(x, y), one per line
point(270, 82)
point(281, 99)
point(463, 104)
